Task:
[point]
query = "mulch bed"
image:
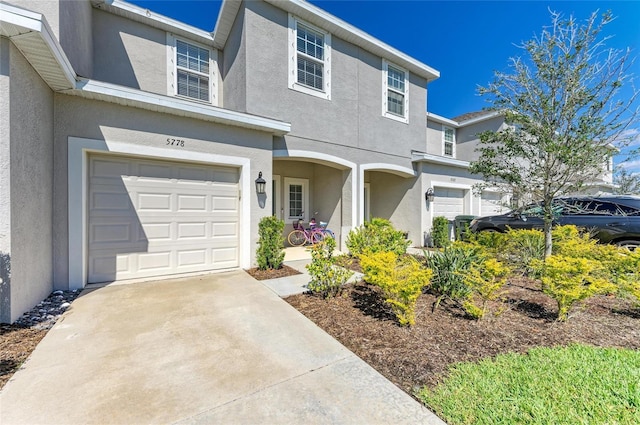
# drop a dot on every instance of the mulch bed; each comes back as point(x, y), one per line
point(283, 271)
point(420, 355)
point(16, 344)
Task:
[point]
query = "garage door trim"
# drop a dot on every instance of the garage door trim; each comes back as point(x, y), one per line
point(78, 153)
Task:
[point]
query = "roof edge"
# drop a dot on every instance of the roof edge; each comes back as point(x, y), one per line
point(18, 23)
point(153, 19)
point(160, 103)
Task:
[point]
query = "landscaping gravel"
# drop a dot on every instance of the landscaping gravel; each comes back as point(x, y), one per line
point(44, 315)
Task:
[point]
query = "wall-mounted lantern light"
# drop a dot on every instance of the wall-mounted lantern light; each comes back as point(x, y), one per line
point(261, 184)
point(428, 195)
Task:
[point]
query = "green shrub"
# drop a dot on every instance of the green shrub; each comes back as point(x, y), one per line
point(485, 280)
point(376, 235)
point(401, 279)
point(270, 254)
point(449, 268)
point(521, 247)
point(568, 280)
point(492, 242)
point(327, 278)
point(440, 232)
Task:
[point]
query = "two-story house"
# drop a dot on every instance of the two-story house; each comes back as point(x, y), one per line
point(132, 142)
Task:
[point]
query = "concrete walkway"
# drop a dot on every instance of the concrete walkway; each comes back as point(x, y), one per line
point(222, 348)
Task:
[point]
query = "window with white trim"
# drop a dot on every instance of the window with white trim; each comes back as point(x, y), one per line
point(448, 141)
point(191, 70)
point(310, 59)
point(395, 92)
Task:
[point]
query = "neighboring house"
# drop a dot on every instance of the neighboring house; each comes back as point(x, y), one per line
point(132, 142)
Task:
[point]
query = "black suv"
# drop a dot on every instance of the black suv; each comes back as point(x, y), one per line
point(611, 219)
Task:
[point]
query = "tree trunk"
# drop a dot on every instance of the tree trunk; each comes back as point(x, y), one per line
point(548, 245)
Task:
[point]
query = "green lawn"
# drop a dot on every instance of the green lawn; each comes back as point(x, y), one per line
point(568, 385)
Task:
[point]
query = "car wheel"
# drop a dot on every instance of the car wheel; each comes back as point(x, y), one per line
point(631, 245)
point(490, 230)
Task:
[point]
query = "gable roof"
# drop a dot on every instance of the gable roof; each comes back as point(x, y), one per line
point(329, 23)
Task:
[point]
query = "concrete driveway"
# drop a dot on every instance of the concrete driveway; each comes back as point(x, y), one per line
point(221, 348)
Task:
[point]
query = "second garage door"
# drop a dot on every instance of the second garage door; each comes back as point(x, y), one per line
point(491, 204)
point(448, 202)
point(151, 218)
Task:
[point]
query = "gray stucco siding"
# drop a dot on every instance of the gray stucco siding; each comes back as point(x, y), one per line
point(233, 65)
point(353, 116)
point(104, 121)
point(129, 53)
point(467, 138)
point(31, 192)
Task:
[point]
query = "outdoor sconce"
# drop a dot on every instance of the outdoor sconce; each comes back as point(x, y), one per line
point(428, 195)
point(261, 184)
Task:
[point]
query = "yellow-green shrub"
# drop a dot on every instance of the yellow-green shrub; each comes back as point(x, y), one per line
point(486, 280)
point(521, 247)
point(568, 280)
point(625, 273)
point(401, 280)
point(618, 265)
point(327, 278)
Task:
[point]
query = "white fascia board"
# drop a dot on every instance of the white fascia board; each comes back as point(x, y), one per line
point(24, 22)
point(157, 102)
point(226, 17)
point(154, 19)
point(442, 120)
point(481, 118)
point(435, 159)
point(29, 21)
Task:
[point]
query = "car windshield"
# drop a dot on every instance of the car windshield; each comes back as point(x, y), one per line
point(536, 210)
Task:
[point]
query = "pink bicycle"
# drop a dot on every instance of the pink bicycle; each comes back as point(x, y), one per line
point(300, 235)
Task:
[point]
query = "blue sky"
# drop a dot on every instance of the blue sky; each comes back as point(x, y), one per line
point(464, 40)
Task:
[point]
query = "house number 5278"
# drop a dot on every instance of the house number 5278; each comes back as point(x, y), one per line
point(175, 142)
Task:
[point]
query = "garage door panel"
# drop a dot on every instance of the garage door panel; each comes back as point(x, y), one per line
point(151, 218)
point(158, 261)
point(224, 204)
point(193, 202)
point(228, 255)
point(224, 229)
point(154, 202)
point(111, 200)
point(110, 168)
point(448, 202)
point(195, 230)
point(192, 257)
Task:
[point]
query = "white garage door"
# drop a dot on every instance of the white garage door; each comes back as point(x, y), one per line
point(491, 204)
point(448, 202)
point(153, 218)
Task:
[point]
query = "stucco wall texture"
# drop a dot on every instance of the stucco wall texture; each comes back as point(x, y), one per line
point(31, 193)
point(352, 118)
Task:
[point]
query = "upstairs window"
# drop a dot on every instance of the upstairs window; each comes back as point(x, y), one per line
point(191, 70)
point(309, 65)
point(448, 141)
point(395, 93)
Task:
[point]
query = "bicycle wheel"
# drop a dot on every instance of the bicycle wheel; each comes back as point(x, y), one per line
point(328, 234)
point(297, 238)
point(317, 237)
